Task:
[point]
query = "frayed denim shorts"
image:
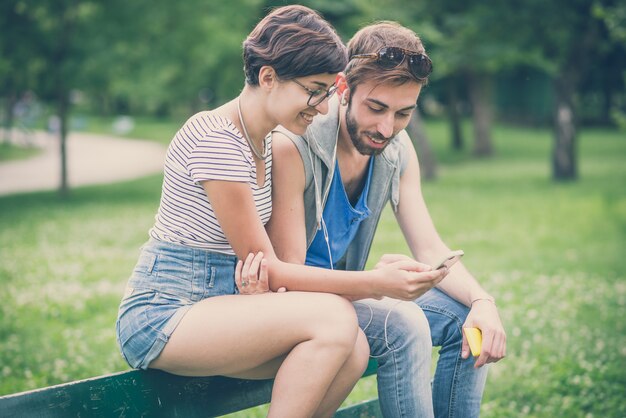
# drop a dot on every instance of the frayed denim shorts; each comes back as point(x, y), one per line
point(167, 280)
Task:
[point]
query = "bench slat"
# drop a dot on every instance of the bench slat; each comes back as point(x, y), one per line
point(138, 393)
point(367, 409)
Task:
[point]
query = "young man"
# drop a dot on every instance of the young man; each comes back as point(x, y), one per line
point(330, 187)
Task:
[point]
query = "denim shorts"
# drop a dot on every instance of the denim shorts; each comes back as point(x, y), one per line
point(167, 280)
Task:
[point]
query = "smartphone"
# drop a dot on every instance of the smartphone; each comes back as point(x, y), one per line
point(450, 259)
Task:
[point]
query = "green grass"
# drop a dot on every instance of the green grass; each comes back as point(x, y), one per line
point(144, 127)
point(550, 252)
point(14, 152)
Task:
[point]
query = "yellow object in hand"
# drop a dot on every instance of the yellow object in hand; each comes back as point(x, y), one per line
point(475, 340)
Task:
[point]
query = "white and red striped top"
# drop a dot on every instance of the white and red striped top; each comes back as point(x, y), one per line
point(207, 147)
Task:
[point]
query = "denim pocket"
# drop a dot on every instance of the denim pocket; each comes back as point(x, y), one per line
point(220, 278)
point(146, 262)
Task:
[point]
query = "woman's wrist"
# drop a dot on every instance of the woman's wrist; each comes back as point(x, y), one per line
point(485, 298)
point(373, 283)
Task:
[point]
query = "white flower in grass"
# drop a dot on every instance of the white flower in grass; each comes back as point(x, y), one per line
point(600, 345)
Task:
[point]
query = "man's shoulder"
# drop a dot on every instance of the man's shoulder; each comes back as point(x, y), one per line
point(284, 145)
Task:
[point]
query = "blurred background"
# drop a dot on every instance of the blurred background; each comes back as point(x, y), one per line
point(521, 135)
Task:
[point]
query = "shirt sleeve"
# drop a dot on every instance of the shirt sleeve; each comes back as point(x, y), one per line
point(219, 156)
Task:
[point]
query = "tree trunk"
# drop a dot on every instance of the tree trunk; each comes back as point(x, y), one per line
point(415, 129)
point(10, 117)
point(480, 89)
point(454, 116)
point(564, 165)
point(63, 108)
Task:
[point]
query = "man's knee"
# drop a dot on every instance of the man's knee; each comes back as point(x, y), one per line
point(410, 324)
point(445, 315)
point(396, 323)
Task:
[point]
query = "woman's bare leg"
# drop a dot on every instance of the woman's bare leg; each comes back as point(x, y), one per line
point(344, 382)
point(232, 335)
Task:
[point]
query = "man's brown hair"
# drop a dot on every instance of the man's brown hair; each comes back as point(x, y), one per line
point(371, 39)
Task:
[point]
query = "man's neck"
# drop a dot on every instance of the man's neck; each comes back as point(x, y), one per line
point(352, 164)
point(346, 150)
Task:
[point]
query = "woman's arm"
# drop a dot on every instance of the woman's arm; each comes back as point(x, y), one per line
point(236, 213)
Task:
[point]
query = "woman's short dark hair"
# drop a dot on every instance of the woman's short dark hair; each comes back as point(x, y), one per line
point(296, 42)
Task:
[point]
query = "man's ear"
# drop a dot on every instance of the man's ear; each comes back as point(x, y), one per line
point(267, 76)
point(340, 82)
point(342, 88)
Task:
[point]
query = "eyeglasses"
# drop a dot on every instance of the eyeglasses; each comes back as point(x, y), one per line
point(391, 57)
point(316, 96)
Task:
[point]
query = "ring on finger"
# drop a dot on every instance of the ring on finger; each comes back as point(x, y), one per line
point(244, 284)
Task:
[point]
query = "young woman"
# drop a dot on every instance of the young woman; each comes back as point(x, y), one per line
point(181, 311)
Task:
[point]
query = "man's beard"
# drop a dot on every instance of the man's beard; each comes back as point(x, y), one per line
point(358, 141)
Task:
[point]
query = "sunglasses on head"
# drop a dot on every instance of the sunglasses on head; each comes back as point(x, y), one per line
point(389, 57)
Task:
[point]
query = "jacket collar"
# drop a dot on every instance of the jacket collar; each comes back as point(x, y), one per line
point(323, 133)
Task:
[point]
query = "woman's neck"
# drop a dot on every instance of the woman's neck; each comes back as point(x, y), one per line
point(254, 114)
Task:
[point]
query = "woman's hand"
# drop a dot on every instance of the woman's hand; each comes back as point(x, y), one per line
point(251, 275)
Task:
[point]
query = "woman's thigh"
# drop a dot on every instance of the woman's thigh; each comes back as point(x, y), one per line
point(229, 335)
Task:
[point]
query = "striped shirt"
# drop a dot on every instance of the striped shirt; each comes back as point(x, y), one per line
point(207, 147)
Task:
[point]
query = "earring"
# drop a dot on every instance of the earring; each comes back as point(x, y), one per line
point(343, 100)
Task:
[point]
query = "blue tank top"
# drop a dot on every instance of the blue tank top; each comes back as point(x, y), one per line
point(342, 222)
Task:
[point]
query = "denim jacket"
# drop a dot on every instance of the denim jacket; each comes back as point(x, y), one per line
point(317, 148)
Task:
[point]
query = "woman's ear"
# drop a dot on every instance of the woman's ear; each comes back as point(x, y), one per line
point(267, 77)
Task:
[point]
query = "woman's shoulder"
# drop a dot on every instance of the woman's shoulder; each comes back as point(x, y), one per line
point(209, 122)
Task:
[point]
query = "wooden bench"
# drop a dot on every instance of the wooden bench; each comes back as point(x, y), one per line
point(153, 393)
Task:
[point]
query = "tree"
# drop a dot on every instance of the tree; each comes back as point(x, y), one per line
point(568, 37)
point(137, 53)
point(428, 163)
point(19, 63)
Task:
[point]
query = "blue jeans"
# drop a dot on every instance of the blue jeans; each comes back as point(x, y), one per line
point(401, 335)
point(166, 281)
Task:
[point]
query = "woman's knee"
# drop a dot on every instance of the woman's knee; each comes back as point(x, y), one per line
point(361, 353)
point(334, 321)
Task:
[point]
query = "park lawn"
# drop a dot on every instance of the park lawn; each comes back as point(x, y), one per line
point(551, 253)
point(14, 152)
point(144, 127)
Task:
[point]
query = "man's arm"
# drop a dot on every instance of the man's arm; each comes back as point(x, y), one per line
point(427, 247)
point(287, 232)
point(286, 228)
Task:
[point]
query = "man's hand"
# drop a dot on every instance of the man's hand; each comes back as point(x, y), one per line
point(484, 316)
point(392, 258)
point(251, 275)
point(406, 279)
